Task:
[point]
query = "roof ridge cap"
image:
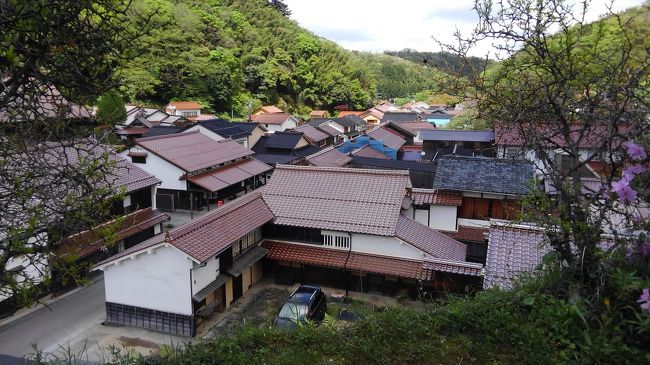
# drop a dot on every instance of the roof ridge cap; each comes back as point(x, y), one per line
point(145, 139)
point(347, 170)
point(229, 207)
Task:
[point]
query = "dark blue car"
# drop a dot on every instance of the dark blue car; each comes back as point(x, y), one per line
point(306, 302)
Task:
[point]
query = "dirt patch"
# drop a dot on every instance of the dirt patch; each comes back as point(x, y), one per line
point(137, 342)
point(257, 310)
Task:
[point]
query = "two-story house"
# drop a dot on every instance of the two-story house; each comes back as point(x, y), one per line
point(170, 282)
point(275, 122)
point(309, 224)
point(467, 192)
point(246, 134)
point(196, 170)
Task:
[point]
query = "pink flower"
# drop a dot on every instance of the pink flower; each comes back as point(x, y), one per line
point(623, 190)
point(631, 171)
point(644, 300)
point(635, 151)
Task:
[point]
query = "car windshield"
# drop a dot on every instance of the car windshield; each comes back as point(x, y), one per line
point(293, 311)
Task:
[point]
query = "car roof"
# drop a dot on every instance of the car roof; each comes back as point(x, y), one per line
point(304, 294)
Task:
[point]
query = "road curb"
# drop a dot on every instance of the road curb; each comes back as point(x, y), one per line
point(48, 302)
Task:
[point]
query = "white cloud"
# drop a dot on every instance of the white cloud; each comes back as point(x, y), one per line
point(379, 25)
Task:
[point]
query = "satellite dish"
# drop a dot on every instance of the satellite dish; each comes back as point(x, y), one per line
point(423, 153)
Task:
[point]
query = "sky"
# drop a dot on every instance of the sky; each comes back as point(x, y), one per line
point(379, 25)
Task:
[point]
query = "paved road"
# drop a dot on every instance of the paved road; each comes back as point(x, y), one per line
point(48, 327)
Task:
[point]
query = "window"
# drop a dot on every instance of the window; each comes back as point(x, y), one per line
point(342, 241)
point(250, 239)
point(513, 152)
point(139, 159)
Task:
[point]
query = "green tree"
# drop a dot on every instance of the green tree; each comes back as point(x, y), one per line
point(110, 109)
point(565, 84)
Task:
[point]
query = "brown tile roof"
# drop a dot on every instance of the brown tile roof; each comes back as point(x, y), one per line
point(130, 177)
point(467, 233)
point(341, 199)
point(229, 175)
point(270, 109)
point(463, 268)
point(390, 139)
point(318, 113)
point(430, 241)
point(350, 112)
point(270, 118)
point(185, 105)
point(131, 131)
point(312, 133)
point(329, 157)
point(512, 249)
point(374, 112)
point(368, 151)
point(192, 151)
point(436, 197)
point(312, 255)
point(212, 233)
point(329, 130)
point(87, 242)
point(414, 127)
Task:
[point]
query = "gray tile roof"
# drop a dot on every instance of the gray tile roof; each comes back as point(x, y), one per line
point(512, 249)
point(457, 136)
point(486, 175)
point(430, 241)
point(390, 139)
point(340, 199)
point(312, 133)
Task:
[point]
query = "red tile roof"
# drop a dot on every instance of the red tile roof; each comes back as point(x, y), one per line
point(466, 233)
point(436, 197)
point(342, 199)
point(329, 157)
point(270, 118)
point(212, 233)
point(185, 105)
point(87, 242)
point(389, 138)
point(312, 255)
point(229, 175)
point(193, 151)
point(430, 241)
point(312, 133)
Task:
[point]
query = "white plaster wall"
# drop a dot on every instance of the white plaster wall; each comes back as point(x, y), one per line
point(204, 275)
point(289, 124)
point(422, 216)
point(382, 245)
point(443, 217)
point(474, 222)
point(272, 128)
point(160, 280)
point(206, 132)
point(165, 171)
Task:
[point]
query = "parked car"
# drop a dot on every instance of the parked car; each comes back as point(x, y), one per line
point(305, 303)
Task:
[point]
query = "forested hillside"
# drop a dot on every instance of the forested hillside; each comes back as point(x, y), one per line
point(234, 55)
point(442, 61)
